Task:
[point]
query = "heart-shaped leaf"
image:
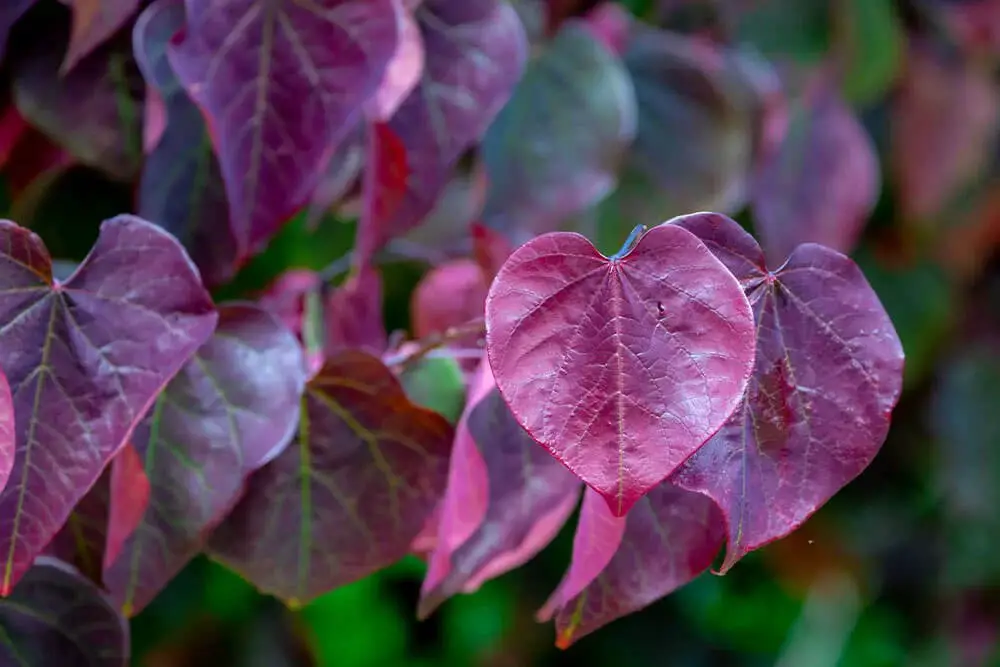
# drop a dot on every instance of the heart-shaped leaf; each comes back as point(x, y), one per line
point(94, 22)
point(828, 371)
point(56, 617)
point(282, 83)
point(349, 494)
point(85, 359)
point(230, 410)
point(621, 367)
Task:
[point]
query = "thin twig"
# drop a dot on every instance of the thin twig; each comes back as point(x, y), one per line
point(476, 327)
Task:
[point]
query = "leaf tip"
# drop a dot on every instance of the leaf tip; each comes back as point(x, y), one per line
point(428, 604)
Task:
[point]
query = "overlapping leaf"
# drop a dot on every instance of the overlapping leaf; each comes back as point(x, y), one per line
point(555, 148)
point(230, 410)
point(94, 21)
point(828, 371)
point(282, 84)
point(8, 439)
point(85, 359)
point(621, 367)
point(350, 493)
point(56, 617)
point(387, 174)
point(465, 285)
point(352, 315)
point(621, 565)
point(82, 540)
point(403, 72)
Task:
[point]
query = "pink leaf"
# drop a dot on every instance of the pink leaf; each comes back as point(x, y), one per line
point(404, 70)
point(449, 295)
point(385, 182)
point(353, 315)
point(129, 500)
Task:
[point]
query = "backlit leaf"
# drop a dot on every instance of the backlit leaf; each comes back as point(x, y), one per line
point(555, 148)
point(621, 367)
point(436, 383)
point(94, 21)
point(350, 493)
point(231, 409)
point(282, 84)
point(56, 617)
point(85, 359)
point(828, 371)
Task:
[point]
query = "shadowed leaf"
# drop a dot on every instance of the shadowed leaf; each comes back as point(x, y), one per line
point(82, 540)
point(10, 12)
point(352, 315)
point(94, 21)
point(128, 497)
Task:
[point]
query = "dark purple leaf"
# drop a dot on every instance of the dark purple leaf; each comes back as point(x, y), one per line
point(56, 617)
point(555, 148)
point(181, 187)
point(387, 173)
point(10, 12)
point(828, 371)
point(352, 315)
point(822, 183)
point(282, 84)
point(85, 359)
point(621, 367)
point(341, 175)
point(94, 22)
point(82, 540)
point(350, 493)
point(621, 565)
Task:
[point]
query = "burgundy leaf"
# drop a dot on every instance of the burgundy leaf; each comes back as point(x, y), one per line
point(621, 565)
point(621, 367)
point(232, 409)
point(12, 128)
point(449, 295)
point(82, 540)
point(128, 497)
point(10, 12)
point(506, 499)
point(490, 248)
point(822, 183)
point(385, 182)
point(350, 493)
point(85, 359)
point(828, 372)
point(56, 617)
point(282, 83)
point(181, 187)
point(94, 21)
point(353, 315)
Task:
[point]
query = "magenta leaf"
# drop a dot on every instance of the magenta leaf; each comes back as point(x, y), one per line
point(85, 359)
point(828, 371)
point(10, 12)
point(621, 367)
point(404, 70)
point(282, 84)
point(506, 499)
point(181, 188)
point(232, 408)
point(822, 183)
point(350, 493)
point(82, 540)
point(341, 175)
point(56, 617)
point(621, 565)
point(466, 284)
point(385, 181)
point(94, 22)
point(8, 438)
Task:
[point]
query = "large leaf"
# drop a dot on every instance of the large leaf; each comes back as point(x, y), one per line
point(555, 148)
point(85, 359)
point(621, 565)
point(181, 187)
point(56, 617)
point(348, 496)
point(94, 21)
point(828, 372)
point(282, 83)
point(621, 367)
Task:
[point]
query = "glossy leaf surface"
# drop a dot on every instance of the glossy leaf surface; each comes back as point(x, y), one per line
point(828, 371)
point(94, 21)
point(350, 493)
point(621, 367)
point(85, 359)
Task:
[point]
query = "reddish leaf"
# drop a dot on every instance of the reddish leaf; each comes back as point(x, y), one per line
point(490, 248)
point(609, 22)
point(94, 22)
point(129, 491)
point(341, 175)
point(621, 565)
point(12, 129)
point(56, 617)
point(349, 495)
point(450, 295)
point(282, 83)
point(85, 359)
point(34, 160)
point(822, 183)
point(506, 499)
point(828, 371)
point(404, 70)
point(232, 409)
point(82, 540)
point(621, 367)
point(10, 12)
point(386, 176)
point(353, 315)
point(285, 297)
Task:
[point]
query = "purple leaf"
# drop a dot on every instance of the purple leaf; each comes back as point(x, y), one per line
point(128, 497)
point(828, 371)
point(621, 565)
point(282, 84)
point(82, 540)
point(506, 499)
point(56, 617)
point(85, 359)
point(350, 493)
point(386, 175)
point(94, 22)
point(341, 175)
point(822, 183)
point(230, 410)
point(404, 70)
point(181, 187)
point(8, 438)
point(555, 148)
point(352, 315)
point(10, 12)
point(621, 367)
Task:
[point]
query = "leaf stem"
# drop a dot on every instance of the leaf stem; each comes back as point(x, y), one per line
point(476, 327)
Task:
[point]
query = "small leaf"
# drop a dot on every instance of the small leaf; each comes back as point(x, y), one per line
point(621, 367)
point(621, 565)
point(555, 149)
point(352, 315)
point(828, 372)
point(85, 359)
point(10, 12)
point(231, 409)
point(465, 284)
point(282, 84)
point(351, 492)
point(56, 617)
point(82, 540)
point(94, 22)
